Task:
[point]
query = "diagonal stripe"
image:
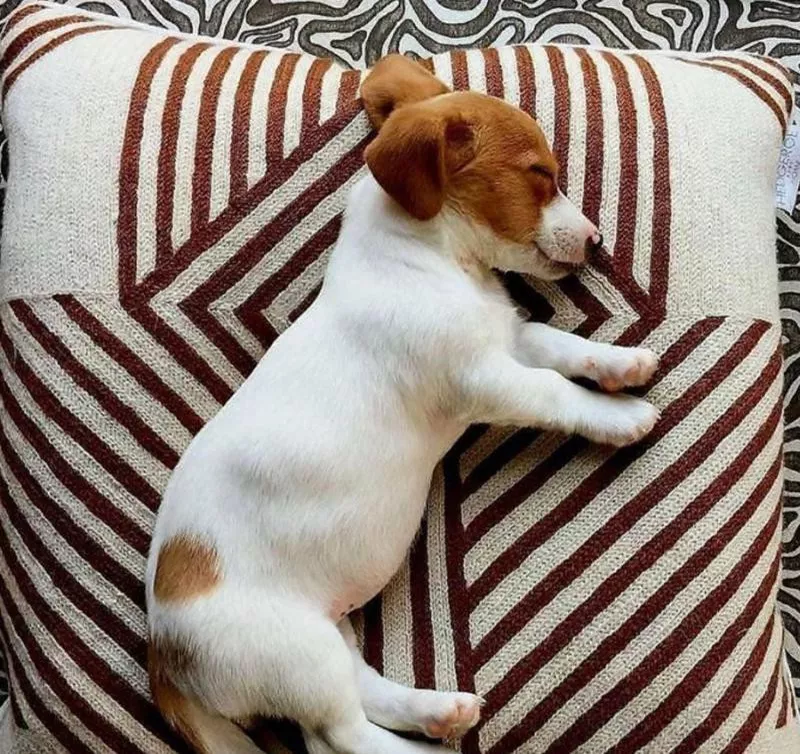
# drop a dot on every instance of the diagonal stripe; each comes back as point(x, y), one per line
point(511, 559)
point(615, 699)
point(126, 416)
point(648, 613)
point(31, 34)
point(748, 83)
point(781, 89)
point(131, 362)
point(170, 126)
point(92, 600)
point(750, 727)
point(99, 505)
point(242, 123)
point(593, 162)
point(561, 109)
point(56, 412)
point(566, 572)
point(722, 711)
point(204, 147)
point(30, 689)
point(129, 162)
point(20, 15)
point(42, 51)
point(95, 668)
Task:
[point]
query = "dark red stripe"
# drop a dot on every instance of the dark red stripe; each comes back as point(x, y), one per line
point(728, 700)
point(120, 412)
point(312, 96)
point(25, 687)
point(42, 51)
point(276, 109)
point(348, 92)
point(206, 128)
point(250, 312)
point(673, 357)
point(94, 501)
point(748, 83)
point(745, 735)
point(94, 667)
point(242, 123)
point(167, 155)
point(17, 45)
point(781, 89)
point(373, 633)
point(562, 108)
point(458, 63)
point(567, 571)
point(459, 599)
point(90, 551)
point(593, 176)
point(196, 306)
point(119, 469)
point(662, 192)
point(424, 654)
point(646, 557)
point(629, 170)
point(670, 648)
point(127, 222)
point(18, 15)
point(527, 80)
point(493, 71)
point(131, 362)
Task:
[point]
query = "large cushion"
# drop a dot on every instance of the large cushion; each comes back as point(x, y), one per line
point(170, 205)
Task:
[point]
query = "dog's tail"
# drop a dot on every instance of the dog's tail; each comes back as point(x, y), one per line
point(207, 732)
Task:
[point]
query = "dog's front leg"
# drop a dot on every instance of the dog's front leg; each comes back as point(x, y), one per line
point(498, 389)
point(611, 367)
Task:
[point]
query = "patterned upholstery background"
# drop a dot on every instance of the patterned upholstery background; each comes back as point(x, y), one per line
point(358, 32)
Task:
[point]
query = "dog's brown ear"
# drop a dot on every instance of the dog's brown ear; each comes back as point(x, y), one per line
point(396, 81)
point(413, 155)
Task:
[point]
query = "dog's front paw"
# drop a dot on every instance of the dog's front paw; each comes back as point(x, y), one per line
point(621, 368)
point(619, 420)
point(449, 715)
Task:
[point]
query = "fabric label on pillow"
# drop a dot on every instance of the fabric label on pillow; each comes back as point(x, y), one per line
point(788, 180)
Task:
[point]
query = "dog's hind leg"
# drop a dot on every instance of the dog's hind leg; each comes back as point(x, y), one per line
point(261, 654)
point(437, 714)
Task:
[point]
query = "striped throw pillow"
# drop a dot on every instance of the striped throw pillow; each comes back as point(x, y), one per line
point(170, 208)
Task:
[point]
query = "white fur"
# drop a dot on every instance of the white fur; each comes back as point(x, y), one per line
point(312, 481)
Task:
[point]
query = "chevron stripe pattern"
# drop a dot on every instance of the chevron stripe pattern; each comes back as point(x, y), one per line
point(599, 601)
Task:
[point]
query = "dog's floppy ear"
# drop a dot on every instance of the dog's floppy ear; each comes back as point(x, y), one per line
point(413, 155)
point(396, 81)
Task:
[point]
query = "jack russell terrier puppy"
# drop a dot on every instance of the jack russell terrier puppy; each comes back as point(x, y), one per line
point(299, 500)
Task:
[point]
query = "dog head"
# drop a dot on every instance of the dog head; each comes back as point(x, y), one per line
point(481, 160)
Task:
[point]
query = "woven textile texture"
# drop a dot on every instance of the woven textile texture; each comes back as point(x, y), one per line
point(357, 33)
point(170, 207)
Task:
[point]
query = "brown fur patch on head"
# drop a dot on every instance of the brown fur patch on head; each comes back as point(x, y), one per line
point(188, 567)
point(167, 658)
point(478, 153)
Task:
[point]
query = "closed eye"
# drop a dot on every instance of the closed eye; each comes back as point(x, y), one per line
point(543, 171)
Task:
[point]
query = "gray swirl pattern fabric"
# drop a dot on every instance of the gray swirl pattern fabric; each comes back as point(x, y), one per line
point(358, 32)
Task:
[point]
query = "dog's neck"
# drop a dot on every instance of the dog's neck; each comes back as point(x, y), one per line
point(372, 214)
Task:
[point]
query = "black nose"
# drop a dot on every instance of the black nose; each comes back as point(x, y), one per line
point(594, 243)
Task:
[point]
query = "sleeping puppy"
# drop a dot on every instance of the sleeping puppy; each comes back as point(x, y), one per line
point(298, 502)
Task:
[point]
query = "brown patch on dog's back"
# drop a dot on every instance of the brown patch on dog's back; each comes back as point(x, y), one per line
point(188, 567)
point(166, 658)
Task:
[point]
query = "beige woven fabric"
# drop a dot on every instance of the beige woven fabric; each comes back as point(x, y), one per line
point(170, 207)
